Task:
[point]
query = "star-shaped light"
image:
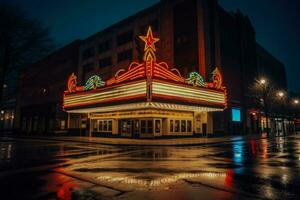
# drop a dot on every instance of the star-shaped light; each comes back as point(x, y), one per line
point(149, 40)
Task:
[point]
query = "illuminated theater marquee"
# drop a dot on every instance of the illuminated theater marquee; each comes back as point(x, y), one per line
point(147, 82)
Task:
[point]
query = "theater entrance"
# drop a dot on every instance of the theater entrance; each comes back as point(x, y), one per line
point(140, 128)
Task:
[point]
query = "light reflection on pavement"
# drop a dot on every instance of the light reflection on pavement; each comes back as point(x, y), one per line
point(244, 169)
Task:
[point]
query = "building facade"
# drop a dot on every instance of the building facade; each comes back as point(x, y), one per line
point(149, 99)
point(39, 103)
point(197, 35)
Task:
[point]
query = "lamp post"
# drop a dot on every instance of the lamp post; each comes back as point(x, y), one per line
point(262, 82)
point(295, 103)
point(281, 95)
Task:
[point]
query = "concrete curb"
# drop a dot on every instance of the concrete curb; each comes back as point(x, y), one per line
point(172, 142)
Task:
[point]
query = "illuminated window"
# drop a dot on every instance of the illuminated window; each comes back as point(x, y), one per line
point(157, 126)
point(171, 126)
point(104, 125)
point(177, 125)
point(236, 114)
point(62, 124)
point(125, 126)
point(183, 126)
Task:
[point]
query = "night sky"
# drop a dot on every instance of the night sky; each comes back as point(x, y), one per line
point(276, 22)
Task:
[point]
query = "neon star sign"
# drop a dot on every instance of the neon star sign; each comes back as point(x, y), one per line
point(149, 40)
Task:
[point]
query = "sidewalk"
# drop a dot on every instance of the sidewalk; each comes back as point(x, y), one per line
point(148, 142)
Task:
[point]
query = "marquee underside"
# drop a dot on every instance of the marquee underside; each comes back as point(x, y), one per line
point(146, 105)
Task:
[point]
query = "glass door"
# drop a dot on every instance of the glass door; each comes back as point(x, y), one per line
point(126, 127)
point(136, 128)
point(151, 126)
point(157, 126)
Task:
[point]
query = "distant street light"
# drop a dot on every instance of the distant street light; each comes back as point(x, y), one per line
point(280, 94)
point(296, 101)
point(262, 81)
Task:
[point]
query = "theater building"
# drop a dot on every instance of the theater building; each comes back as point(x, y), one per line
point(148, 99)
point(198, 38)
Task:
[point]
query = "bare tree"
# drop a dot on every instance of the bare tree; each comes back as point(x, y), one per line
point(23, 40)
point(265, 96)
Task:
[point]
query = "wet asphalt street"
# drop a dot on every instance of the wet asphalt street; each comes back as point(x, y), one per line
point(246, 169)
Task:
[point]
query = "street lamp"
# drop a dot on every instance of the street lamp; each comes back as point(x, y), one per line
point(262, 81)
point(280, 94)
point(296, 101)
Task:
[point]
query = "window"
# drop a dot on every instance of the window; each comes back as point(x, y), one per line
point(104, 125)
point(189, 126)
point(104, 46)
point(150, 126)
point(143, 126)
point(157, 126)
point(177, 125)
point(126, 126)
point(109, 125)
point(185, 49)
point(100, 126)
point(147, 125)
point(125, 55)
point(105, 62)
point(95, 125)
point(183, 126)
point(35, 123)
point(236, 114)
point(62, 124)
point(124, 38)
point(171, 126)
point(86, 69)
point(24, 123)
point(88, 53)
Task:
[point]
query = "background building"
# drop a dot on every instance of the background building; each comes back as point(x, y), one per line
point(42, 85)
point(197, 36)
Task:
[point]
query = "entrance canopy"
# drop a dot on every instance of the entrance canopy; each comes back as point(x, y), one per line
point(149, 84)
